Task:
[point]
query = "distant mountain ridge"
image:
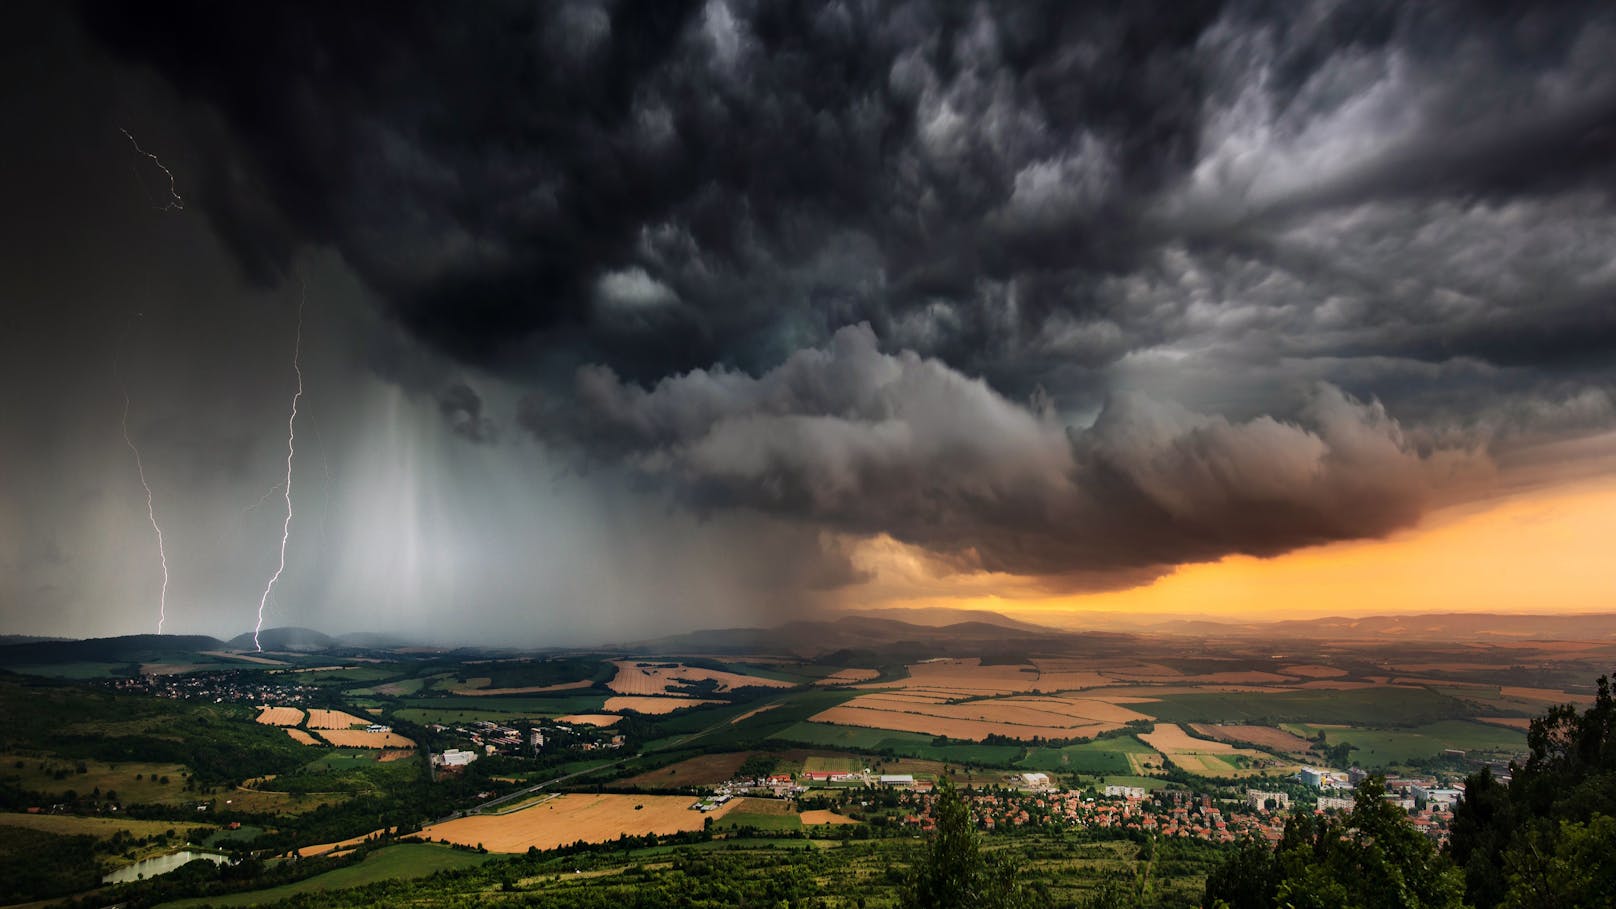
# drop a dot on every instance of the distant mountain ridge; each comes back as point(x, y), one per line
point(153, 648)
point(297, 640)
point(133, 648)
point(938, 616)
point(865, 634)
point(1450, 626)
point(852, 637)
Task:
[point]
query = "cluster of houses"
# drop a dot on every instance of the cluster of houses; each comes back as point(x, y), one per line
point(221, 687)
point(1180, 813)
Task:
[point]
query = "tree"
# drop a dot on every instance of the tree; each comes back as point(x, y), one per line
point(1567, 783)
point(954, 873)
point(1372, 858)
point(1245, 879)
point(1572, 868)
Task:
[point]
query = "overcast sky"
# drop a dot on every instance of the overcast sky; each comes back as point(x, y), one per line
point(624, 318)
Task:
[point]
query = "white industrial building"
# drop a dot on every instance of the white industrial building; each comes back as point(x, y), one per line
point(456, 758)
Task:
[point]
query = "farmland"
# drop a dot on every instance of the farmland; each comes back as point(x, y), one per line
point(572, 818)
point(400, 862)
point(304, 769)
point(281, 716)
point(360, 738)
point(1210, 758)
point(333, 719)
point(702, 770)
point(1267, 737)
point(654, 678)
point(1379, 748)
point(69, 825)
point(655, 706)
point(590, 719)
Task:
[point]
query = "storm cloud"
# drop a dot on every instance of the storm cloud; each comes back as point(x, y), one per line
point(1078, 292)
point(865, 442)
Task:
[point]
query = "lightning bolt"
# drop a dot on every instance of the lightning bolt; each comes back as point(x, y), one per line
point(151, 515)
point(286, 487)
point(176, 202)
point(261, 500)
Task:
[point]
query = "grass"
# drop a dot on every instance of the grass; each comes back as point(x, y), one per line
point(39, 775)
point(240, 834)
point(820, 764)
point(739, 819)
point(1147, 782)
point(401, 688)
point(343, 760)
point(770, 671)
point(527, 705)
point(1361, 707)
point(1388, 747)
point(907, 744)
point(404, 861)
point(349, 676)
point(1101, 756)
point(98, 827)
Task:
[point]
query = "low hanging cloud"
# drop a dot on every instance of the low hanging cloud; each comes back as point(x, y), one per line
point(863, 442)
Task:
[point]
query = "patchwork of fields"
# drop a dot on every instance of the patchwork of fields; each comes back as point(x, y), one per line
point(1100, 714)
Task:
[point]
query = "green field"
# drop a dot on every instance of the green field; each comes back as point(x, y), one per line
point(738, 819)
point(772, 671)
point(527, 705)
point(99, 827)
point(1360, 707)
point(822, 764)
point(1386, 747)
point(903, 743)
point(400, 688)
point(348, 676)
point(401, 862)
point(1102, 756)
point(1147, 782)
point(343, 760)
point(40, 775)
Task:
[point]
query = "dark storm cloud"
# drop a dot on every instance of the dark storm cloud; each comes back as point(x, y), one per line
point(488, 174)
point(462, 408)
point(665, 186)
point(1214, 230)
point(867, 442)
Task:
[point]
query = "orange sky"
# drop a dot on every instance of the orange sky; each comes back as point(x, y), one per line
point(1541, 550)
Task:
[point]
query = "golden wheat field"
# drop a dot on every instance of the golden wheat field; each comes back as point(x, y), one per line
point(359, 738)
point(280, 716)
point(1261, 736)
point(848, 677)
point(590, 719)
point(333, 719)
point(956, 727)
point(653, 705)
point(302, 737)
point(569, 818)
point(660, 677)
point(821, 816)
